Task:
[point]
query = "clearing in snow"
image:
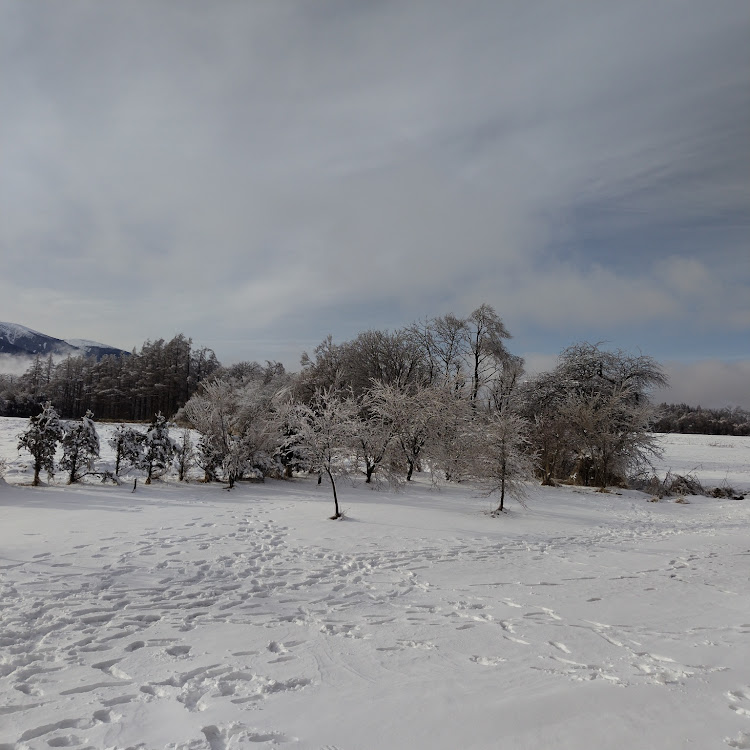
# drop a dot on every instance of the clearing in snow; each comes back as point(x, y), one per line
point(186, 617)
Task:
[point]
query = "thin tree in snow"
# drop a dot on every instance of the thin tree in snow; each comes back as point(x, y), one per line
point(322, 435)
point(500, 457)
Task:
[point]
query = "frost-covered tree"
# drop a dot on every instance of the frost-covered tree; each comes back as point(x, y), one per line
point(210, 411)
point(612, 435)
point(127, 443)
point(450, 447)
point(322, 435)
point(80, 444)
point(414, 416)
point(590, 416)
point(258, 426)
point(239, 425)
point(487, 353)
point(465, 354)
point(158, 448)
point(373, 442)
point(184, 456)
point(500, 458)
point(41, 438)
point(208, 458)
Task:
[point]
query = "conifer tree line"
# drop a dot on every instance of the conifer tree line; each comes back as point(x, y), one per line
point(443, 395)
point(160, 377)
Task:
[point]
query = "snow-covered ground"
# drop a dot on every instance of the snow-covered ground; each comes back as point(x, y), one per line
point(186, 616)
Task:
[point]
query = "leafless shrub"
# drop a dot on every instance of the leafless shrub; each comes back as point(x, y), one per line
point(672, 484)
point(727, 491)
point(681, 485)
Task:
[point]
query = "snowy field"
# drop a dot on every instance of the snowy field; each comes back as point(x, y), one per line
point(186, 616)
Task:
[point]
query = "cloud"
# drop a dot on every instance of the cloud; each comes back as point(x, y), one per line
point(267, 172)
point(712, 384)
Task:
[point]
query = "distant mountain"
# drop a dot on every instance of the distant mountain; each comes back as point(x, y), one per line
point(19, 340)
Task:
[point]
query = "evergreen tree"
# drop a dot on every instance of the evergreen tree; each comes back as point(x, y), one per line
point(158, 448)
point(41, 439)
point(80, 444)
point(127, 443)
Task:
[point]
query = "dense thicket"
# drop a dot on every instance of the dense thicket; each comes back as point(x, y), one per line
point(443, 394)
point(696, 420)
point(160, 377)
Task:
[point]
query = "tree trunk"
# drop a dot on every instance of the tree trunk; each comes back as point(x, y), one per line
point(337, 514)
point(503, 472)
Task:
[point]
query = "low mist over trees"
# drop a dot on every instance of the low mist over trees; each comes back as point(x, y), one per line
point(443, 394)
point(160, 377)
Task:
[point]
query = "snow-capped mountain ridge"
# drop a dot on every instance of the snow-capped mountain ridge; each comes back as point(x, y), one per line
point(16, 339)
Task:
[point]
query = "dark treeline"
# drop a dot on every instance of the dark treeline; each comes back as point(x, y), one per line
point(696, 420)
point(160, 377)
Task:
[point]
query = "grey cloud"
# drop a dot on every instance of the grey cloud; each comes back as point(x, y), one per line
point(239, 167)
point(712, 384)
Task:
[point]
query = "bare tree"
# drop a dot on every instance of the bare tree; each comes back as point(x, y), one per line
point(501, 460)
point(612, 434)
point(487, 352)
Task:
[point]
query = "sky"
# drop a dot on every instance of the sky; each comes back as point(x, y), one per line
point(257, 175)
